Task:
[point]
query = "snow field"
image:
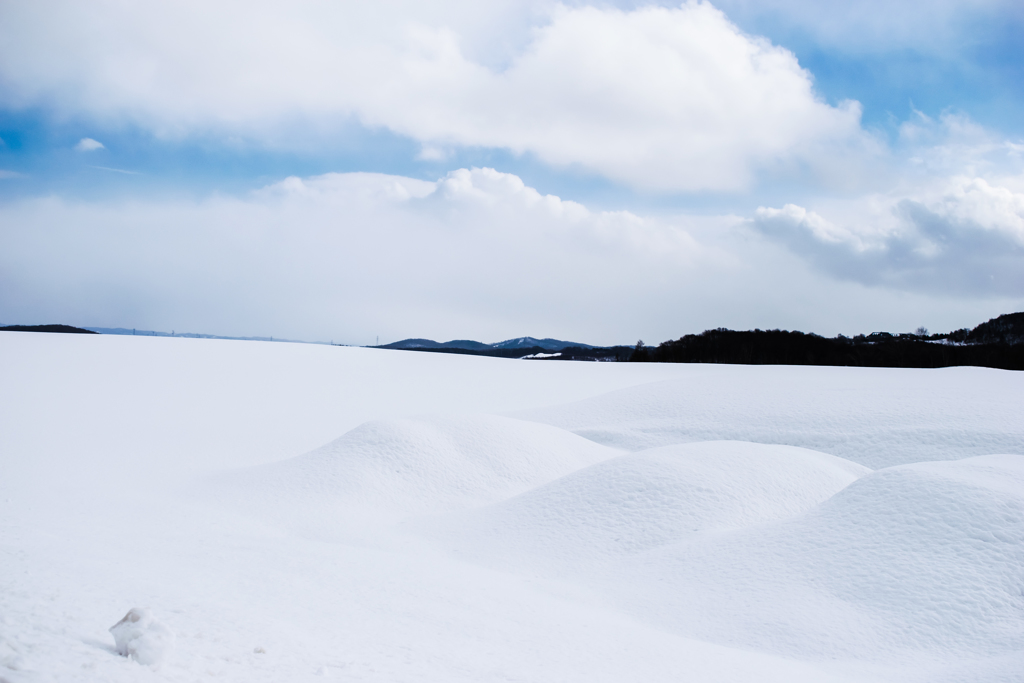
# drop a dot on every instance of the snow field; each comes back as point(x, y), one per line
point(295, 512)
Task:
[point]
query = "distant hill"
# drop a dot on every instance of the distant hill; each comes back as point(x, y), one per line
point(188, 335)
point(520, 343)
point(65, 329)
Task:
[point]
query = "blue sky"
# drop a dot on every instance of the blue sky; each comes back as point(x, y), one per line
point(746, 155)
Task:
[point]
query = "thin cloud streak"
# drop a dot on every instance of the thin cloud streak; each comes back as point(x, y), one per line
point(116, 170)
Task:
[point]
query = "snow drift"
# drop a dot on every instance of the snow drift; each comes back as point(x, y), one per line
point(923, 558)
point(639, 501)
point(428, 464)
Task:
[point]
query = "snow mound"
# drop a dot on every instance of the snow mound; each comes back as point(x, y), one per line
point(141, 637)
point(427, 465)
point(642, 500)
point(878, 417)
point(922, 557)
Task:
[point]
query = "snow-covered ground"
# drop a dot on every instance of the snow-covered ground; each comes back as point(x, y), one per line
point(283, 512)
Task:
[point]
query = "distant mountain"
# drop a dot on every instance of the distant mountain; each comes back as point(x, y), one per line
point(546, 344)
point(470, 345)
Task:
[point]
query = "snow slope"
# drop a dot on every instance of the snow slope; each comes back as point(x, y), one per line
point(296, 512)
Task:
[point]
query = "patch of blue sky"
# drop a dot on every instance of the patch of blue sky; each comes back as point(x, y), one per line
point(890, 86)
point(42, 150)
point(135, 163)
point(975, 68)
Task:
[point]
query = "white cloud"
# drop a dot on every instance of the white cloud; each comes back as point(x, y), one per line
point(953, 144)
point(88, 145)
point(656, 98)
point(951, 221)
point(7, 175)
point(964, 238)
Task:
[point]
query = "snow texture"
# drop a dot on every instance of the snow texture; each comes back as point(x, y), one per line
point(873, 416)
point(297, 513)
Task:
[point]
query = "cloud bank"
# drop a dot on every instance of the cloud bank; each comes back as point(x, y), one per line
point(660, 99)
point(341, 253)
point(477, 254)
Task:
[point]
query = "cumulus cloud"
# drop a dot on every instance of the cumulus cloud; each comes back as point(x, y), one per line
point(656, 98)
point(88, 145)
point(966, 238)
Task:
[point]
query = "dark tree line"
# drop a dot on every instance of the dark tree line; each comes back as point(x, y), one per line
point(608, 353)
point(999, 343)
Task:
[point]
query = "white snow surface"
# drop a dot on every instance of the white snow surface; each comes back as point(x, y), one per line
point(298, 512)
point(639, 501)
